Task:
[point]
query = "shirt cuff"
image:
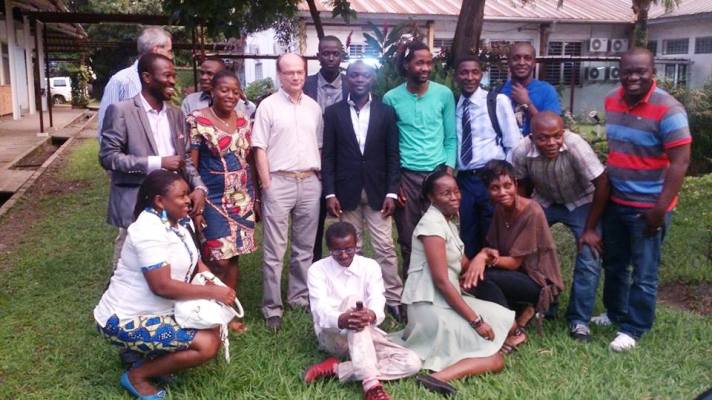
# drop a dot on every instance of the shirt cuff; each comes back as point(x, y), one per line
point(154, 163)
point(328, 196)
point(392, 196)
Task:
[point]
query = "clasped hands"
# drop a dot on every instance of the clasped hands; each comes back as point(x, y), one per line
point(356, 320)
point(473, 270)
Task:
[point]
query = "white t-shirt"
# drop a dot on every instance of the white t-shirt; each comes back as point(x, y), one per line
point(149, 244)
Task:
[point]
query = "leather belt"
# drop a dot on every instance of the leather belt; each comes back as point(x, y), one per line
point(298, 175)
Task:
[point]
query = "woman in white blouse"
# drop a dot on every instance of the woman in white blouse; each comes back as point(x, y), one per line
point(155, 268)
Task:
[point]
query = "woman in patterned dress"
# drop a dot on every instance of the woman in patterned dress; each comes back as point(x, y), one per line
point(220, 147)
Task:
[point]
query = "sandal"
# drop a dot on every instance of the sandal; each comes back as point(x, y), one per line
point(507, 349)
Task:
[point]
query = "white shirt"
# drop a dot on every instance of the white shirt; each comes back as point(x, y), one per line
point(484, 137)
point(149, 245)
point(359, 120)
point(162, 135)
point(123, 85)
point(329, 284)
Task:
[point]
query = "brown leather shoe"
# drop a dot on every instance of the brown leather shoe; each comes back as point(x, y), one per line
point(377, 393)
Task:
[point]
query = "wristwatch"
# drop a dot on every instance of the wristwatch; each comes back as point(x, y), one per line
point(476, 322)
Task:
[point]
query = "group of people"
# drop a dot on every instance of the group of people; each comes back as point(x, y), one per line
point(472, 181)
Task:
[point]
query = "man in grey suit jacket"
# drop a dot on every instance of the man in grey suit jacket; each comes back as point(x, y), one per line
point(141, 135)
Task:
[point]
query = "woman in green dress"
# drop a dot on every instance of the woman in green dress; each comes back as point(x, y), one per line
point(455, 334)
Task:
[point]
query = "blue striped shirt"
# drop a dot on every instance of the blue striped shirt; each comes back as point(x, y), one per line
point(124, 85)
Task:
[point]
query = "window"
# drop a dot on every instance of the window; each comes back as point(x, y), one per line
point(653, 46)
point(361, 51)
point(442, 43)
point(258, 71)
point(676, 46)
point(676, 74)
point(558, 73)
point(703, 45)
point(59, 83)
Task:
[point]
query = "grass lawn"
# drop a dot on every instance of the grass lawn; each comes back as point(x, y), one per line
point(54, 276)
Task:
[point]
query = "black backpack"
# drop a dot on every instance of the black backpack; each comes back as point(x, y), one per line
point(492, 111)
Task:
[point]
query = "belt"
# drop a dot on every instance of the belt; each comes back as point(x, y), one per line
point(467, 172)
point(298, 175)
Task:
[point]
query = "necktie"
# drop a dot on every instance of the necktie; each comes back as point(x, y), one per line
point(466, 148)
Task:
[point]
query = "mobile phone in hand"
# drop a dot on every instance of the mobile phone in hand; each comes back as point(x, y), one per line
point(359, 305)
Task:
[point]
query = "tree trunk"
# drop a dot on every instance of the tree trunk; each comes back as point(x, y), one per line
point(640, 34)
point(316, 18)
point(468, 30)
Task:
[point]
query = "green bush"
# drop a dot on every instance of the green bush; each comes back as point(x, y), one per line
point(259, 89)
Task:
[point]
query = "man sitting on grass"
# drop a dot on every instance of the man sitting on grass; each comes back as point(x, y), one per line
point(347, 302)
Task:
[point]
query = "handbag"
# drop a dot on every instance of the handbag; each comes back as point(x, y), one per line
point(207, 314)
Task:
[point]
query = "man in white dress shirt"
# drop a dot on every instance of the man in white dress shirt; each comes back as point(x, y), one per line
point(347, 303)
point(126, 83)
point(486, 130)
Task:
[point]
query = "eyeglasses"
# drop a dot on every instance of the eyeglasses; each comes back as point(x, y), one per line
point(348, 251)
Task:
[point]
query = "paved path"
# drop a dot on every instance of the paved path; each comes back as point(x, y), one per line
point(19, 137)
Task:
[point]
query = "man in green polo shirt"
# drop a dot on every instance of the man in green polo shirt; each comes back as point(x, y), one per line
point(425, 112)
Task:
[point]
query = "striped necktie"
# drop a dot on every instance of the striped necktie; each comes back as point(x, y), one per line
point(466, 148)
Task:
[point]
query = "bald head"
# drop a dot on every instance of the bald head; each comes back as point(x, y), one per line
point(548, 133)
point(637, 74)
point(547, 120)
point(638, 52)
point(292, 69)
point(522, 59)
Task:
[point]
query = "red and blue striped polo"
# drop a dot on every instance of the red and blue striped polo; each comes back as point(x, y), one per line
point(638, 137)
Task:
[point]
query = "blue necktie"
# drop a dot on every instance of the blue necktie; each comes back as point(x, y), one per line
point(466, 148)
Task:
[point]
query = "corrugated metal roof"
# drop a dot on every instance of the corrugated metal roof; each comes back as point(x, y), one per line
point(687, 7)
point(572, 10)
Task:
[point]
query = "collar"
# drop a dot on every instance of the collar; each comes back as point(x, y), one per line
point(644, 100)
point(475, 98)
point(289, 98)
point(147, 107)
point(205, 96)
point(350, 270)
point(534, 152)
point(321, 81)
point(352, 104)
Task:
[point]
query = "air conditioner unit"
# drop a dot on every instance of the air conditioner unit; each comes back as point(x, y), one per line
point(619, 45)
point(614, 73)
point(598, 45)
point(595, 73)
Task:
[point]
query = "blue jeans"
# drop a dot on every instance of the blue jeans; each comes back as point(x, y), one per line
point(629, 293)
point(587, 267)
point(475, 212)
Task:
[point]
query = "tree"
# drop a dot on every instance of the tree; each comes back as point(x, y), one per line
point(641, 9)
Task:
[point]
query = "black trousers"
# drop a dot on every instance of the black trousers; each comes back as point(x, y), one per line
point(320, 231)
point(507, 288)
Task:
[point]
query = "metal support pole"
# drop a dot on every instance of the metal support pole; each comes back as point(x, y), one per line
point(26, 34)
point(195, 66)
point(36, 75)
point(49, 84)
point(573, 87)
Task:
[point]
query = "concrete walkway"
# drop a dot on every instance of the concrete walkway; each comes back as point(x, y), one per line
point(19, 137)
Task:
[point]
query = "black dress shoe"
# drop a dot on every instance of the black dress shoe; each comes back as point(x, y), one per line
point(436, 385)
point(274, 323)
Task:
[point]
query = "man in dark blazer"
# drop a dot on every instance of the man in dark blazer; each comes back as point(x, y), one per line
point(326, 87)
point(141, 135)
point(361, 171)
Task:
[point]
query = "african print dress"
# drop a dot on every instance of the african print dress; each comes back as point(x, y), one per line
point(229, 206)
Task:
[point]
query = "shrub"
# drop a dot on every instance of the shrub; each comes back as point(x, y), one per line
point(259, 89)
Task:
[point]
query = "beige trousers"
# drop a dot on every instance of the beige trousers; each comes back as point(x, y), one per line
point(371, 354)
point(299, 199)
point(381, 231)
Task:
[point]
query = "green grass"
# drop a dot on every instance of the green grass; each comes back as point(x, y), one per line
point(52, 280)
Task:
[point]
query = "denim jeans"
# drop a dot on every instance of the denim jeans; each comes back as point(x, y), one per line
point(475, 212)
point(587, 267)
point(630, 260)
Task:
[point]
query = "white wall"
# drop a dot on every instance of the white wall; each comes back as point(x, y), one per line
point(264, 43)
point(701, 68)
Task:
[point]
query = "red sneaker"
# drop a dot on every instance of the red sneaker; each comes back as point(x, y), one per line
point(324, 369)
point(376, 393)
